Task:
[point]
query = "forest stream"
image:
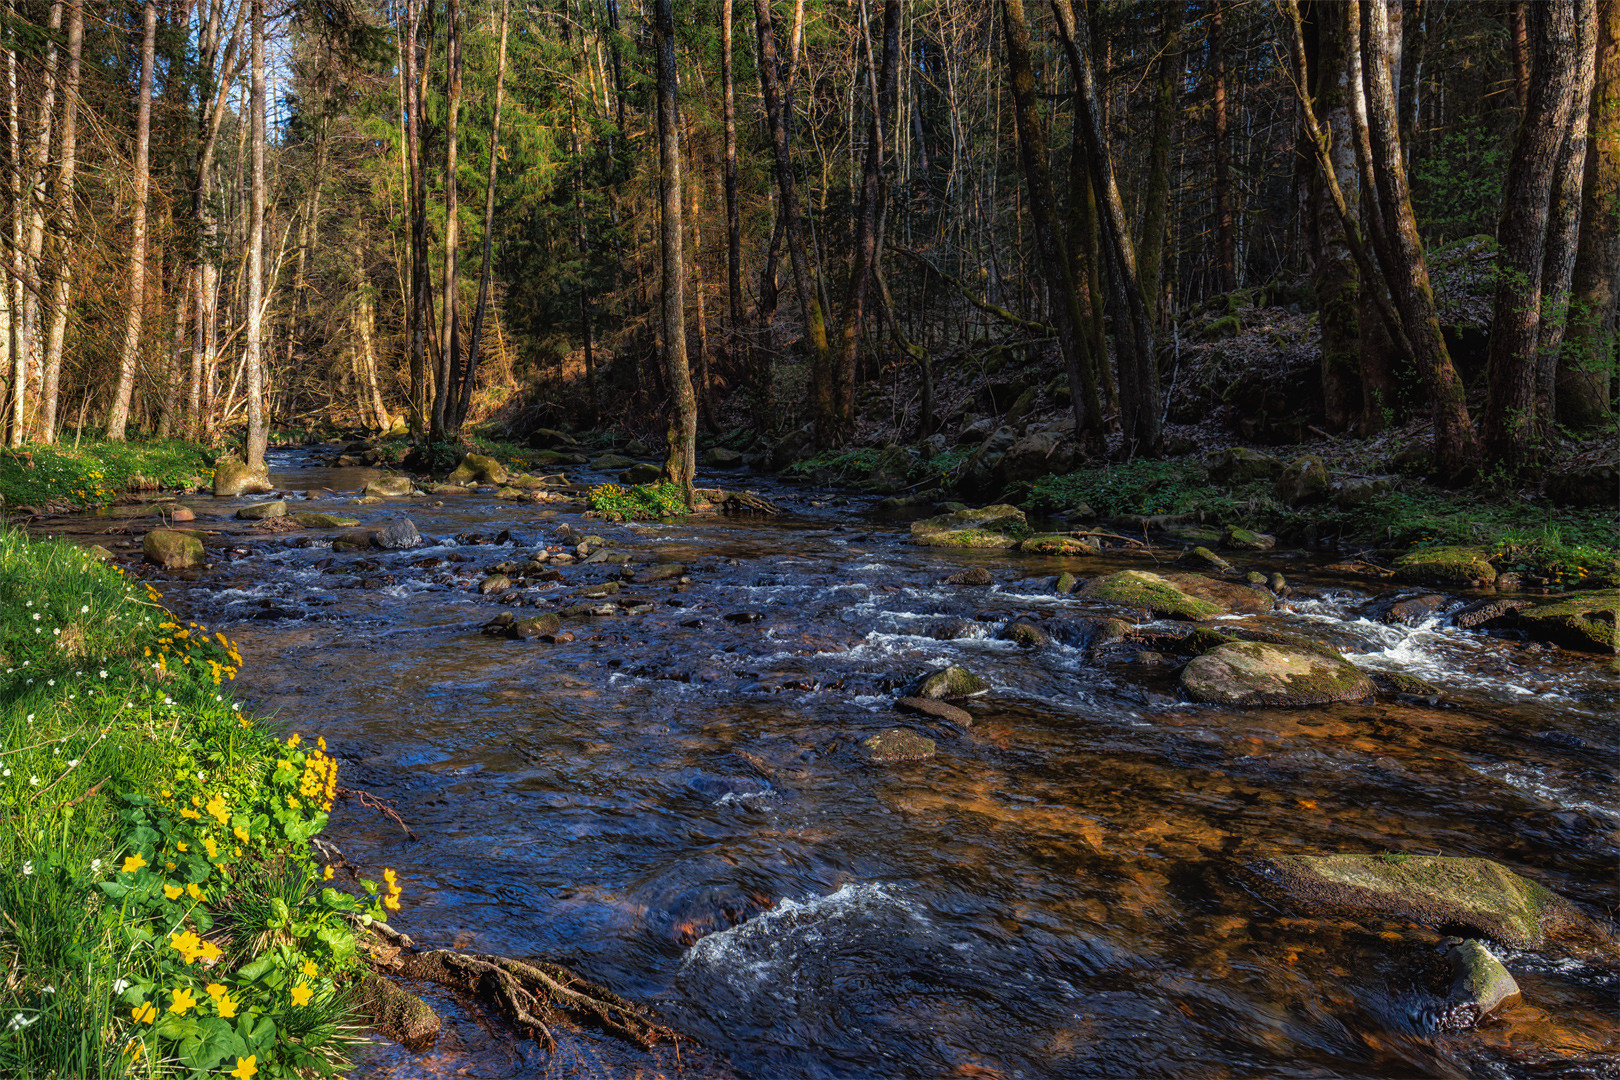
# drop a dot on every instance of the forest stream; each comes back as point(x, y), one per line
point(675, 802)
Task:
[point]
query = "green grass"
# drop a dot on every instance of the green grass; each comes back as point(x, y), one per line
point(97, 473)
point(160, 910)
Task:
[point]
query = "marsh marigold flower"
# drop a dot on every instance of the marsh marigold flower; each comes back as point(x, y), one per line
point(301, 995)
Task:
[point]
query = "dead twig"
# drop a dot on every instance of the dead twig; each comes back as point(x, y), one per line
point(372, 802)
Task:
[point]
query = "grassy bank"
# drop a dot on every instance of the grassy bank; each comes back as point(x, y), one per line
point(58, 477)
point(161, 912)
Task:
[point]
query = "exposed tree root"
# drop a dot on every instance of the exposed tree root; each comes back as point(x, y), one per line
point(531, 994)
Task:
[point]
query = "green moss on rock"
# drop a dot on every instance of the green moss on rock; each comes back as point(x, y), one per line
point(1253, 673)
point(1582, 621)
point(952, 682)
point(1140, 588)
point(1059, 544)
point(1446, 566)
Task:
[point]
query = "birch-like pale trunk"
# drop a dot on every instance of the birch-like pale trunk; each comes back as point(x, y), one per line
point(258, 433)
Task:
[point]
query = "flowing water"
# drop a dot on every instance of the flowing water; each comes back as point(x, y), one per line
point(675, 804)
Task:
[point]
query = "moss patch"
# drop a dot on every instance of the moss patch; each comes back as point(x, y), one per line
point(1445, 566)
point(1059, 544)
point(1583, 621)
point(1252, 673)
point(1139, 588)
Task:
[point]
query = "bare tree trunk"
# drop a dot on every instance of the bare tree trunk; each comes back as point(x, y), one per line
point(1141, 409)
point(16, 337)
point(1587, 360)
point(258, 436)
point(1396, 240)
point(476, 341)
point(1156, 200)
point(67, 226)
point(804, 282)
point(414, 73)
point(681, 460)
point(1564, 218)
point(450, 329)
point(733, 214)
point(702, 386)
point(129, 356)
point(1337, 285)
point(1225, 243)
point(1511, 420)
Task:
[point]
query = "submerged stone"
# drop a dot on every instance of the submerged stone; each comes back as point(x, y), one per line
point(1481, 981)
point(939, 710)
point(897, 744)
point(263, 511)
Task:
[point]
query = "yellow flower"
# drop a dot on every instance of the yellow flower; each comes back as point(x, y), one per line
point(133, 1049)
point(240, 833)
point(211, 847)
point(215, 990)
point(216, 807)
point(168, 866)
point(227, 1006)
point(294, 739)
point(182, 846)
point(388, 876)
point(326, 874)
point(309, 968)
point(145, 1013)
point(391, 902)
point(246, 1067)
point(210, 952)
point(301, 995)
point(133, 863)
point(172, 892)
point(194, 891)
point(188, 945)
point(187, 812)
point(182, 1000)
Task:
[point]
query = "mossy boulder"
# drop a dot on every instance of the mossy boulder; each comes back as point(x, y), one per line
point(263, 511)
point(537, 626)
point(554, 458)
point(1202, 558)
point(612, 463)
point(1440, 892)
point(718, 457)
point(1303, 480)
point(233, 477)
point(478, 468)
point(1178, 596)
point(1481, 980)
point(1446, 566)
point(642, 472)
point(998, 526)
point(951, 682)
point(1250, 674)
point(1239, 465)
point(311, 519)
point(1065, 583)
point(550, 439)
point(1060, 544)
point(1583, 621)
point(397, 1014)
point(390, 487)
point(1239, 539)
point(172, 549)
point(1026, 634)
point(896, 745)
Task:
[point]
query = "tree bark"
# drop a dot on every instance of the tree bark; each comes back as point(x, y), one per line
point(681, 459)
point(464, 400)
point(1337, 284)
point(258, 433)
point(1587, 360)
point(67, 225)
point(450, 328)
point(1140, 407)
point(1225, 243)
point(1156, 199)
point(733, 213)
point(1511, 421)
point(129, 355)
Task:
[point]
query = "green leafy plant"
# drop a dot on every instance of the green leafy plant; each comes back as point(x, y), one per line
point(638, 503)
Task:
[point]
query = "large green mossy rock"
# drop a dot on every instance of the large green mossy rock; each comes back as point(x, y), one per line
point(233, 477)
point(478, 468)
point(999, 526)
point(1178, 596)
point(1446, 566)
point(612, 463)
point(1303, 480)
point(390, 487)
point(171, 549)
point(311, 519)
point(1583, 621)
point(1060, 544)
point(952, 682)
point(1250, 674)
point(263, 511)
point(1440, 892)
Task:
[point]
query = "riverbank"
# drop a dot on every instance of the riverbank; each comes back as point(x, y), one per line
point(164, 912)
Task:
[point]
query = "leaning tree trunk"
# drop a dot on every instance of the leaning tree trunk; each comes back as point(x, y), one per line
point(1511, 422)
point(129, 355)
point(681, 459)
point(1587, 360)
point(733, 214)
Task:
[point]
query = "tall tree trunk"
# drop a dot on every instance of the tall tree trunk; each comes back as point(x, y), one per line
point(1046, 222)
point(476, 341)
point(804, 282)
point(1395, 236)
point(1224, 241)
point(414, 73)
point(450, 329)
point(1337, 285)
point(67, 226)
point(258, 437)
point(1511, 421)
point(702, 386)
point(735, 339)
point(129, 355)
point(1587, 360)
point(869, 212)
point(1564, 217)
point(1141, 409)
point(681, 459)
point(1156, 200)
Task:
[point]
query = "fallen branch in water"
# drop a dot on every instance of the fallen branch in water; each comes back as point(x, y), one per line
point(737, 502)
point(532, 994)
point(371, 802)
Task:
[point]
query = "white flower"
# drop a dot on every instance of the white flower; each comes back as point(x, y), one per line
point(47, 989)
point(28, 869)
point(103, 674)
point(84, 610)
point(199, 774)
point(95, 866)
point(20, 1021)
point(57, 632)
point(33, 781)
point(36, 616)
point(50, 682)
point(120, 985)
point(6, 773)
point(73, 763)
point(30, 718)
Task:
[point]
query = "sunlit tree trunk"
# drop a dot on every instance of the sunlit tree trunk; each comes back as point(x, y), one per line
point(450, 330)
point(475, 343)
point(1337, 284)
point(258, 436)
point(681, 459)
point(67, 226)
point(129, 355)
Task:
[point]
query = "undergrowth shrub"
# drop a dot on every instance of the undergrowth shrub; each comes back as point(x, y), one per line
point(639, 503)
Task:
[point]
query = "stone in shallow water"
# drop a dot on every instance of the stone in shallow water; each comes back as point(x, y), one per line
point(952, 682)
point(263, 511)
point(392, 487)
point(172, 550)
point(1253, 673)
point(1481, 980)
point(973, 575)
point(939, 710)
point(897, 744)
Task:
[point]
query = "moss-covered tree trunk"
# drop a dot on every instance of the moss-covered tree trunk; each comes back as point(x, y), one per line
point(1587, 360)
point(681, 459)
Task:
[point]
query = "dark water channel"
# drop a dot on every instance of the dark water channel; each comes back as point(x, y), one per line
point(675, 804)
